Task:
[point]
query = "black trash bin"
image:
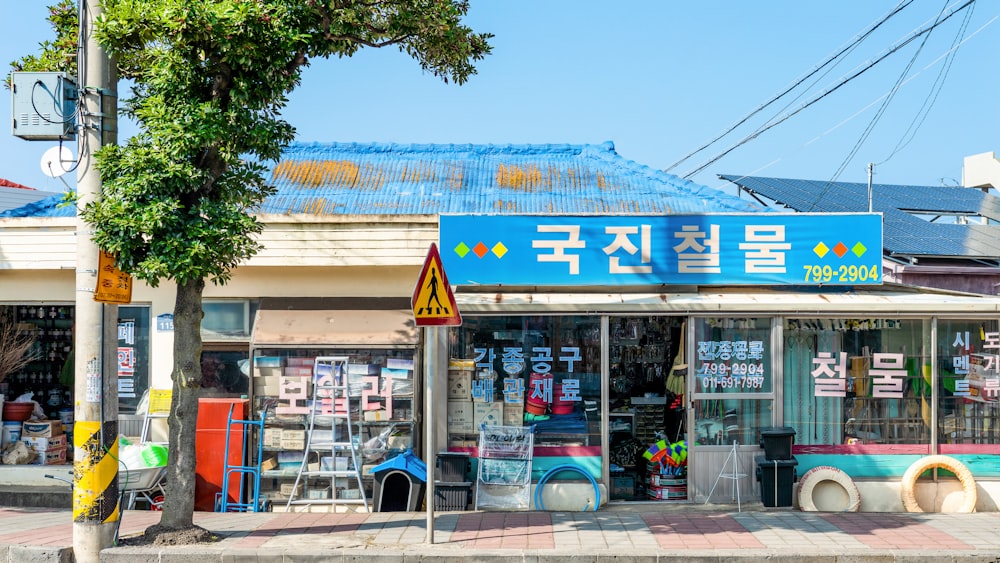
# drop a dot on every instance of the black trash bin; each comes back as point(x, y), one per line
point(399, 484)
point(777, 479)
point(777, 442)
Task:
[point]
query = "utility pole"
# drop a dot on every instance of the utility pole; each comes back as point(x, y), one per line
point(871, 172)
point(95, 430)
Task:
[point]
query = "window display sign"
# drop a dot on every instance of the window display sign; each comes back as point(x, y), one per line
point(762, 248)
point(731, 365)
point(133, 356)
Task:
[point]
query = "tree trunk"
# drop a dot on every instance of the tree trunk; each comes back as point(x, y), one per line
point(178, 505)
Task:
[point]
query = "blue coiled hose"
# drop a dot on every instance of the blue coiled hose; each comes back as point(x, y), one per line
point(566, 467)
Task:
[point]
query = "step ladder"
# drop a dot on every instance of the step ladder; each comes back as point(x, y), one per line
point(157, 408)
point(333, 436)
point(248, 468)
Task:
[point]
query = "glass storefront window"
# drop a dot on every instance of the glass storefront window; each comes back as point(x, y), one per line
point(968, 354)
point(133, 356)
point(542, 371)
point(857, 381)
point(733, 380)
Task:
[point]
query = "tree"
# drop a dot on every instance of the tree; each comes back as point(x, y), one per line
point(60, 53)
point(210, 80)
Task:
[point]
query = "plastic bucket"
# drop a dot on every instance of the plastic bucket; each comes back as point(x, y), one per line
point(560, 405)
point(537, 383)
point(66, 415)
point(154, 455)
point(11, 433)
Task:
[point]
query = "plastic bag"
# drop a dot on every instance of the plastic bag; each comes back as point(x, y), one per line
point(37, 413)
point(376, 447)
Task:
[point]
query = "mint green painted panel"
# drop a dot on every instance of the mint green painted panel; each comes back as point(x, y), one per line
point(862, 466)
point(539, 465)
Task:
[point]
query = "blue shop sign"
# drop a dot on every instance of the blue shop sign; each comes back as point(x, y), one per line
point(741, 249)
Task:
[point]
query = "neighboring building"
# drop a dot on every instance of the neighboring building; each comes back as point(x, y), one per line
point(934, 236)
point(606, 303)
point(14, 195)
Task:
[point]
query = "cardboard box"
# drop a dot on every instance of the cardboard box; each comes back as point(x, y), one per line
point(38, 444)
point(266, 372)
point(41, 428)
point(51, 457)
point(269, 463)
point(376, 415)
point(458, 363)
point(363, 369)
point(399, 363)
point(459, 384)
point(300, 362)
point(490, 414)
point(460, 415)
point(297, 371)
point(267, 386)
point(292, 439)
point(396, 373)
point(272, 437)
point(287, 489)
point(268, 362)
point(513, 414)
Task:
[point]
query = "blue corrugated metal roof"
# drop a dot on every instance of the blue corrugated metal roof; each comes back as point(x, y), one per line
point(434, 179)
point(903, 233)
point(419, 179)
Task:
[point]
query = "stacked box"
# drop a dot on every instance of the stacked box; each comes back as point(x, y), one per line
point(269, 362)
point(460, 417)
point(490, 414)
point(41, 428)
point(297, 371)
point(42, 444)
point(300, 362)
point(55, 456)
point(459, 384)
point(399, 363)
point(272, 437)
point(293, 439)
point(513, 414)
point(266, 385)
point(267, 372)
point(376, 415)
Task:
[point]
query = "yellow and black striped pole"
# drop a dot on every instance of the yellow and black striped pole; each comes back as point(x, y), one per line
point(95, 468)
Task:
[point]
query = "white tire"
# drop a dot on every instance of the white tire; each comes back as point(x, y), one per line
point(908, 490)
point(824, 474)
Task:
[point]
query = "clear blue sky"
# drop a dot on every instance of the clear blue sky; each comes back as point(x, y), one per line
point(659, 79)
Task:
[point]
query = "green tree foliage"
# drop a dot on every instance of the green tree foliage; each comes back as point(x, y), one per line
point(58, 54)
point(210, 78)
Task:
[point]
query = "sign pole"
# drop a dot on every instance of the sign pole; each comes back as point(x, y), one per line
point(430, 364)
point(434, 309)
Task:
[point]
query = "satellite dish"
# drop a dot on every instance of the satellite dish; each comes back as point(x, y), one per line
point(57, 161)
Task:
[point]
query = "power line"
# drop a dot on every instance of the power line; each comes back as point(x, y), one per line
point(932, 95)
point(767, 127)
point(853, 44)
point(885, 103)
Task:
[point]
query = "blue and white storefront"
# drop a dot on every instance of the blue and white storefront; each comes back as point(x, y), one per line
point(615, 336)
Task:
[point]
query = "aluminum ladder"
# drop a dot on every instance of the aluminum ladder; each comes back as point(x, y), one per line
point(331, 436)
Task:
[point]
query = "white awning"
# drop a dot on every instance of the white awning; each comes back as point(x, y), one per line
point(323, 328)
point(742, 301)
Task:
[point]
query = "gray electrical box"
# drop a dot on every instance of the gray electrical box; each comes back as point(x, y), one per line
point(44, 106)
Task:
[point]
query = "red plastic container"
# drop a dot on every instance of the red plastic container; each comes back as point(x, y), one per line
point(18, 411)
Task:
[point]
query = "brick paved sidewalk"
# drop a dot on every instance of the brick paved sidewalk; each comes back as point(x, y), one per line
point(644, 534)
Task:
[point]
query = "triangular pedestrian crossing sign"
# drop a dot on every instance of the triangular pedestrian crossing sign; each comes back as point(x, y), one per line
point(433, 302)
